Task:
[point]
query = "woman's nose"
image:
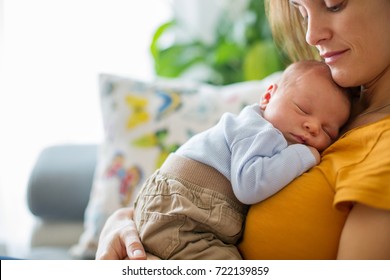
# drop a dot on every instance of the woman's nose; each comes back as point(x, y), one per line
point(318, 30)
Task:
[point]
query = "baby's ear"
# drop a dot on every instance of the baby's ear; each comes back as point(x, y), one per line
point(267, 96)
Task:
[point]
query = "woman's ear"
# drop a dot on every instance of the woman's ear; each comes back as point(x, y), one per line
point(267, 96)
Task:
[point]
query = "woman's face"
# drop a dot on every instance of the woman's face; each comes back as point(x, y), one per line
point(352, 36)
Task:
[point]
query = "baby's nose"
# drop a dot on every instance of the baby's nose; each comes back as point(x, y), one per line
point(312, 127)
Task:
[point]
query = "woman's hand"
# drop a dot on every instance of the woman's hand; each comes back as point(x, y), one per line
point(119, 238)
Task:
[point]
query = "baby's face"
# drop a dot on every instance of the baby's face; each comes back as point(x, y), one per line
point(310, 111)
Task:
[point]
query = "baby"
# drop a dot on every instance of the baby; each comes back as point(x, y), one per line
point(194, 206)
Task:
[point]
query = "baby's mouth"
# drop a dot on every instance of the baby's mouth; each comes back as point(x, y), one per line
point(298, 139)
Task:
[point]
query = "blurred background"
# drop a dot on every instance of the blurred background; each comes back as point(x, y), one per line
point(53, 50)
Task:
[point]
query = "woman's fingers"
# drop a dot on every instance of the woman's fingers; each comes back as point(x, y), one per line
point(119, 238)
point(132, 243)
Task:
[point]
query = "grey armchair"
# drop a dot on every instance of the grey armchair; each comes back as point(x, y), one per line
point(58, 192)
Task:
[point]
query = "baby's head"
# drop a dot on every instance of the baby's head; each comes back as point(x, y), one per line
point(307, 106)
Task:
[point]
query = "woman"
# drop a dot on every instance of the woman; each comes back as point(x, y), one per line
point(340, 209)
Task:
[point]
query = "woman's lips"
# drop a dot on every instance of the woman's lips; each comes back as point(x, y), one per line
point(331, 57)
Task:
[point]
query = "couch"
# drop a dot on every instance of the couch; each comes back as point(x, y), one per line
point(57, 195)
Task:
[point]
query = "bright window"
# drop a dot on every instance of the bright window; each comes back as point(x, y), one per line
point(53, 52)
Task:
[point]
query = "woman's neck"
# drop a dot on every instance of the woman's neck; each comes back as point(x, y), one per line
point(376, 92)
point(373, 103)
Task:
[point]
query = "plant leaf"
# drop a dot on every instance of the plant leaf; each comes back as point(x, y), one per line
point(173, 61)
point(261, 60)
point(162, 29)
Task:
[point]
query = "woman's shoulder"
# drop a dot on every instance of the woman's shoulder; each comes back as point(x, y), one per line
point(372, 131)
point(366, 175)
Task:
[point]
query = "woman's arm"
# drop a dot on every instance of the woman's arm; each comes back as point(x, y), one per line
point(366, 234)
point(119, 238)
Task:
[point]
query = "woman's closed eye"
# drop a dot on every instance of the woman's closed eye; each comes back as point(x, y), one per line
point(336, 7)
point(333, 8)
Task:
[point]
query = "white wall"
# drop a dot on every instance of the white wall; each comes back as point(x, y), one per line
point(53, 52)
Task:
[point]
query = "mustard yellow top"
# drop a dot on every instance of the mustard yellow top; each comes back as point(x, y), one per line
point(304, 220)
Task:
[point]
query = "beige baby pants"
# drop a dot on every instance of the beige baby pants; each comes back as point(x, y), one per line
point(187, 210)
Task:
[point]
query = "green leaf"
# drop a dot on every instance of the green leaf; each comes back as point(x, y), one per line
point(154, 48)
point(173, 61)
point(261, 60)
point(226, 52)
point(242, 49)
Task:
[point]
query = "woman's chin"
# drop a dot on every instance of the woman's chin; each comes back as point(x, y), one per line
point(342, 78)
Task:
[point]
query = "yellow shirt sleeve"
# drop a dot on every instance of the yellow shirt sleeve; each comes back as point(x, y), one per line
point(367, 180)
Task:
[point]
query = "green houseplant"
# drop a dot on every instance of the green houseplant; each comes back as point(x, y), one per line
point(242, 49)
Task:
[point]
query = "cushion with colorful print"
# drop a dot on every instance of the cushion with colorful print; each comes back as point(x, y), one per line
point(143, 123)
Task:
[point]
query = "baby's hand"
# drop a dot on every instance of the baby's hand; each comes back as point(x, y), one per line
point(315, 153)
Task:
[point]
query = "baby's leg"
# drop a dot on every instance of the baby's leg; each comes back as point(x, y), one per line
point(179, 220)
point(205, 246)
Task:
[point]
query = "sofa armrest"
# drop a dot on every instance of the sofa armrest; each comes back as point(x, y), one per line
point(63, 234)
point(60, 182)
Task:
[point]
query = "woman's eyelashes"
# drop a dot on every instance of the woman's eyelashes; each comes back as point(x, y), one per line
point(331, 7)
point(334, 8)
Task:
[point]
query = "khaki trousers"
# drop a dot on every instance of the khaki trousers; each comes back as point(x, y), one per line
point(187, 210)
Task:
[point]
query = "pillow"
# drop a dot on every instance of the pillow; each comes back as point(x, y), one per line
point(143, 123)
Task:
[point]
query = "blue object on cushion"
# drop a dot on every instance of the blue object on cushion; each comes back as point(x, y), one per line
point(61, 180)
